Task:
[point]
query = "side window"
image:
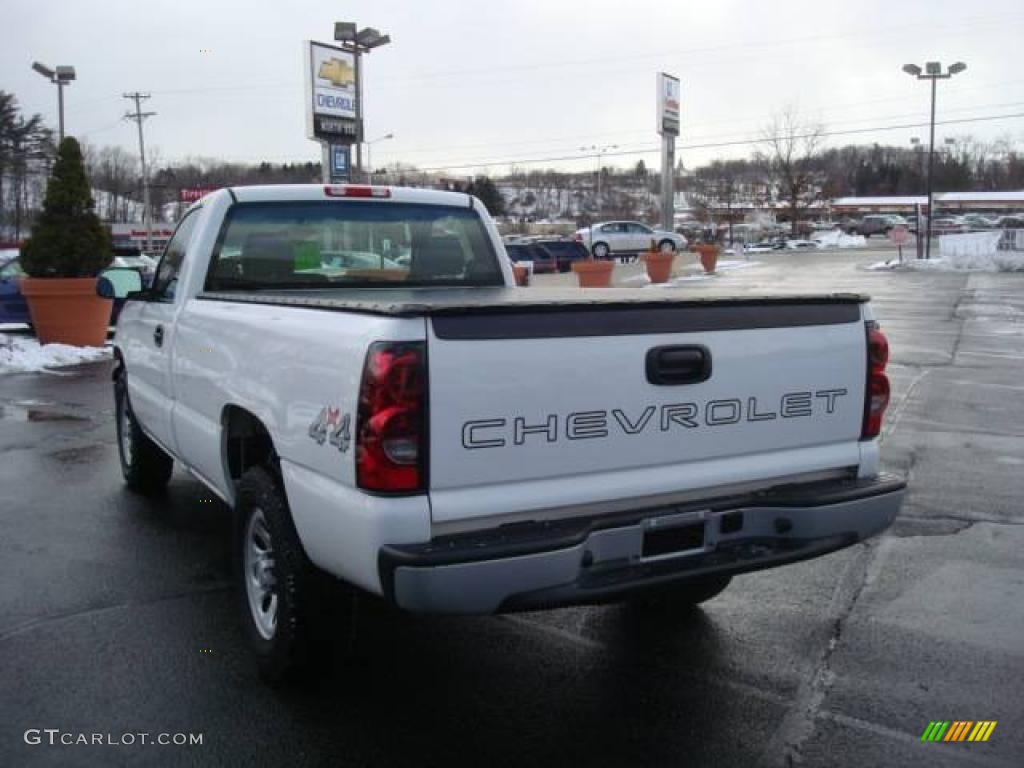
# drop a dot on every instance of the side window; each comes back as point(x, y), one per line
point(166, 281)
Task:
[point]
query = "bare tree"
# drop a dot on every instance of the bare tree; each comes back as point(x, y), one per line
point(791, 150)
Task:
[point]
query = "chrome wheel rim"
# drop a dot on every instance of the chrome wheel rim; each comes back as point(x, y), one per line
point(126, 433)
point(260, 582)
point(601, 251)
point(667, 248)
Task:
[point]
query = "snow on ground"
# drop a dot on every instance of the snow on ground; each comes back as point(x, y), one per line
point(23, 353)
point(839, 239)
point(726, 265)
point(882, 265)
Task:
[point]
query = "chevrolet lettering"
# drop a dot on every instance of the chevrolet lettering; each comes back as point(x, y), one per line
point(588, 425)
point(386, 411)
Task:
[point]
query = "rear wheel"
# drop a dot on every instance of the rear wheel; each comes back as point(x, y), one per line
point(286, 613)
point(145, 466)
point(683, 597)
point(601, 250)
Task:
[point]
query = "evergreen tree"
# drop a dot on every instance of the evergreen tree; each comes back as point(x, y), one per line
point(489, 195)
point(68, 239)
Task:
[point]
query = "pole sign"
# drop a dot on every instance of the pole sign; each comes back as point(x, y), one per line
point(330, 93)
point(668, 105)
point(340, 162)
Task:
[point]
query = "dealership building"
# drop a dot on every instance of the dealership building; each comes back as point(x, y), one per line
point(945, 202)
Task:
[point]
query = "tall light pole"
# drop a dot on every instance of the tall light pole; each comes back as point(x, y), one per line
point(369, 165)
point(357, 42)
point(60, 77)
point(599, 151)
point(932, 71)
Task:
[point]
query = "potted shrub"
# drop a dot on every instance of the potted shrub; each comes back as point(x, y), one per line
point(708, 253)
point(67, 249)
point(593, 273)
point(658, 263)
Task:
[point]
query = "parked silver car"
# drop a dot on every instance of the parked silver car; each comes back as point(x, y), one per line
point(609, 238)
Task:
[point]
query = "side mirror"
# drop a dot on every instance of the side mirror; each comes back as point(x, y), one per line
point(119, 283)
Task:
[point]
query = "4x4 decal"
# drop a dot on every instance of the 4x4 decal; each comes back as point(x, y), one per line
point(333, 426)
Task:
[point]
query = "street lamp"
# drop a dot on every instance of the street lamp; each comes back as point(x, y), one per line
point(599, 151)
point(369, 165)
point(357, 42)
point(60, 77)
point(932, 71)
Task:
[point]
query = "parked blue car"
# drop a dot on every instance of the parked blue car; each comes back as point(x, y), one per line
point(14, 308)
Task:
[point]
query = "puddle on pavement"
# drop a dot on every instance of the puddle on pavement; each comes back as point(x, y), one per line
point(84, 455)
point(33, 412)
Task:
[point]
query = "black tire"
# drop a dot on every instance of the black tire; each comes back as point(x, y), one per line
point(145, 466)
point(671, 246)
point(683, 597)
point(601, 250)
point(306, 622)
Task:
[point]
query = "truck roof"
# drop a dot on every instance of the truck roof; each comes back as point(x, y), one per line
point(269, 193)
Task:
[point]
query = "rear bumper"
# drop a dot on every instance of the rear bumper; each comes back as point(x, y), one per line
point(576, 561)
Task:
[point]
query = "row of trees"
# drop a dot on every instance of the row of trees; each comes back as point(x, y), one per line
point(26, 155)
point(789, 165)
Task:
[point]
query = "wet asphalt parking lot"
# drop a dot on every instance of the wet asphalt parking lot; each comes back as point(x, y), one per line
point(117, 615)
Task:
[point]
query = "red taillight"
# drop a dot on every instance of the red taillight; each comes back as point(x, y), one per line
point(876, 395)
point(578, 237)
point(391, 421)
point(352, 190)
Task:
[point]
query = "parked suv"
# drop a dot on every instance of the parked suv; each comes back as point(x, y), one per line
point(878, 225)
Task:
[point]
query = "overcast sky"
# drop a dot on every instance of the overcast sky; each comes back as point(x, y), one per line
point(471, 82)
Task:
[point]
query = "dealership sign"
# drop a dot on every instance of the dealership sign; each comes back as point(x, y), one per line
point(668, 105)
point(330, 92)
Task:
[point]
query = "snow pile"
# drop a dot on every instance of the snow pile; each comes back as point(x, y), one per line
point(976, 251)
point(839, 239)
point(20, 354)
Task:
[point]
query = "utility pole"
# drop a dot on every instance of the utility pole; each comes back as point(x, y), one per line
point(138, 116)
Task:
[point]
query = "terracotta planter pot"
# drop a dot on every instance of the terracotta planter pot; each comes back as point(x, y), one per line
point(659, 266)
point(522, 275)
point(708, 256)
point(67, 310)
point(593, 274)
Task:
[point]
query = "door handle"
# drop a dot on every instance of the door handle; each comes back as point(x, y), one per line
point(675, 365)
point(158, 336)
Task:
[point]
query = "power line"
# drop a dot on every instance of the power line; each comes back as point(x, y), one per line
point(715, 145)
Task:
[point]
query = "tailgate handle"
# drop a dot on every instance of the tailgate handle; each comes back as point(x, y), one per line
point(670, 366)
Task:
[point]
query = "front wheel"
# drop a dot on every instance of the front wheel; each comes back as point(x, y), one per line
point(286, 616)
point(601, 251)
point(144, 465)
point(667, 246)
point(683, 597)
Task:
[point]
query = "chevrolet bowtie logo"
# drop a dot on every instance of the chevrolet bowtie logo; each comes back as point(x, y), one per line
point(337, 72)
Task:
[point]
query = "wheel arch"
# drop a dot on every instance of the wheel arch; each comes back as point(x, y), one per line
point(245, 443)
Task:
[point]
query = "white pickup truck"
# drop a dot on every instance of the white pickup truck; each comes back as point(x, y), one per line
point(352, 369)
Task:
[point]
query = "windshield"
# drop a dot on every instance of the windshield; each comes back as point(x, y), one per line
point(351, 244)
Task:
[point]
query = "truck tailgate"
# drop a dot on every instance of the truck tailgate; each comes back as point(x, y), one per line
point(532, 410)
